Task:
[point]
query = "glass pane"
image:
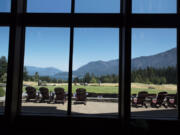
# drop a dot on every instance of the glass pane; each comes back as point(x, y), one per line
point(4, 43)
point(46, 56)
point(154, 6)
point(95, 71)
point(97, 6)
point(5, 5)
point(154, 73)
point(49, 6)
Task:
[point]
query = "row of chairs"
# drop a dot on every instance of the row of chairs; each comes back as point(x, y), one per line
point(141, 99)
point(59, 95)
point(161, 99)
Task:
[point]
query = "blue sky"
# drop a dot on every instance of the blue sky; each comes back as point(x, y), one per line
point(92, 44)
point(49, 6)
point(94, 6)
point(4, 41)
point(5, 5)
point(147, 42)
point(49, 47)
point(81, 6)
point(97, 6)
point(154, 6)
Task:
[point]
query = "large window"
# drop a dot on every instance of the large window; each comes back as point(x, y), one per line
point(153, 72)
point(95, 69)
point(90, 57)
point(45, 67)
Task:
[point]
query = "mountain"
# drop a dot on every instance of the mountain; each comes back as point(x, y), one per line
point(50, 71)
point(161, 60)
point(98, 68)
point(61, 75)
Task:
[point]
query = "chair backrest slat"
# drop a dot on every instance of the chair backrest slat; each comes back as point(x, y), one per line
point(31, 92)
point(60, 93)
point(81, 94)
point(162, 95)
point(44, 92)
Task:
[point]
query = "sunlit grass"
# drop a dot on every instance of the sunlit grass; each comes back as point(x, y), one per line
point(113, 88)
point(95, 89)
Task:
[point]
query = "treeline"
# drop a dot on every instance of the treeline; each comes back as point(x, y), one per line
point(149, 76)
point(155, 76)
point(41, 79)
point(91, 78)
point(3, 69)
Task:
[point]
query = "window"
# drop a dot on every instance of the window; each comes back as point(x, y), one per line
point(97, 6)
point(154, 73)
point(4, 42)
point(154, 6)
point(45, 66)
point(49, 6)
point(59, 37)
point(96, 67)
point(5, 5)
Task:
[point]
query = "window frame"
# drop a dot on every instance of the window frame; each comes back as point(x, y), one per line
point(18, 19)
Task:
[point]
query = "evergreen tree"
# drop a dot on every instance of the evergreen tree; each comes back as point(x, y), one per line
point(3, 67)
point(76, 80)
point(36, 77)
point(87, 78)
point(25, 74)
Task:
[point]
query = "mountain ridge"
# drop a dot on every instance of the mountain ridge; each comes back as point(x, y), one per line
point(99, 67)
point(48, 71)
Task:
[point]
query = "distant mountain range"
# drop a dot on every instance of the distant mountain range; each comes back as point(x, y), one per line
point(160, 60)
point(50, 71)
point(98, 68)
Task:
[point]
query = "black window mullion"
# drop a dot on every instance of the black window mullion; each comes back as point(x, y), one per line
point(120, 73)
point(125, 63)
point(70, 71)
point(178, 6)
point(178, 59)
point(71, 62)
point(178, 71)
point(15, 62)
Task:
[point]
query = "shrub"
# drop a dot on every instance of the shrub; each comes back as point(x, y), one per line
point(2, 92)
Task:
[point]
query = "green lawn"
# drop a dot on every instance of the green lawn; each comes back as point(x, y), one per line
point(95, 89)
point(105, 89)
point(151, 91)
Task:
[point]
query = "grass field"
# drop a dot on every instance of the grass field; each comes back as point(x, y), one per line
point(112, 88)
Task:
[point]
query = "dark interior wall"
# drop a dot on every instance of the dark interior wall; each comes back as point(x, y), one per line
point(88, 126)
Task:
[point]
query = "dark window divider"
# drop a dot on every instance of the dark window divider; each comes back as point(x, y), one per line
point(71, 62)
point(178, 60)
point(15, 62)
point(178, 69)
point(125, 64)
